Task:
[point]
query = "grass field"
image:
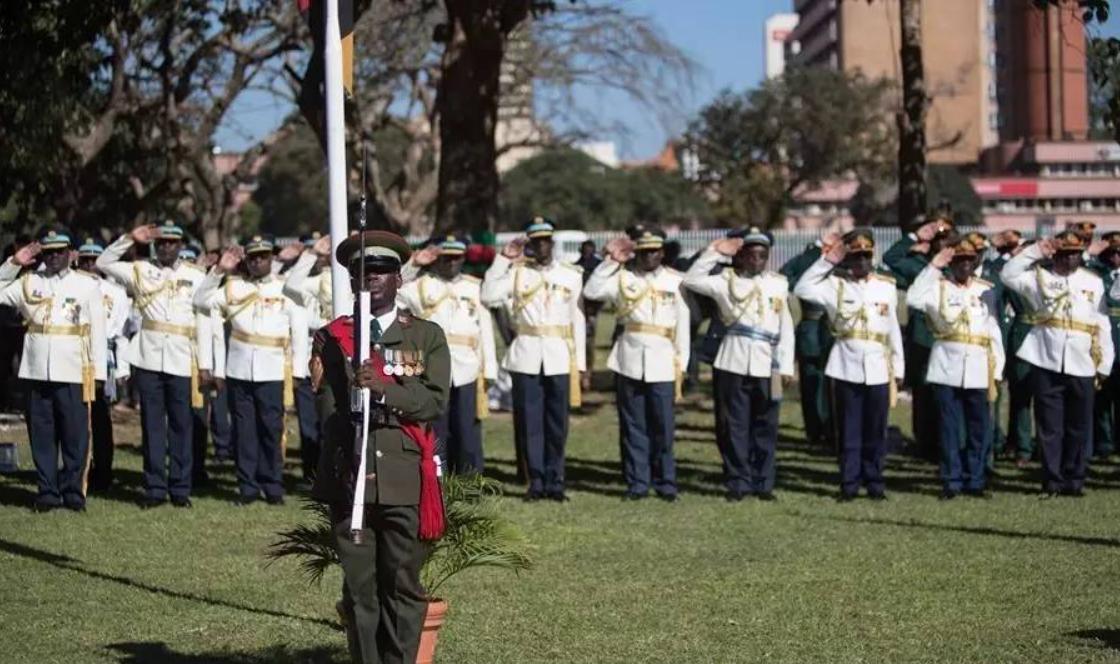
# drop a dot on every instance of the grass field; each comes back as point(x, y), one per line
point(805, 579)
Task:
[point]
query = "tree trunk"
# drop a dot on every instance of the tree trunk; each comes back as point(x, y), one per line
point(467, 103)
point(912, 121)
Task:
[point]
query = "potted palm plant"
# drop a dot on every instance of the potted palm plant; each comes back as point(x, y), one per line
point(476, 535)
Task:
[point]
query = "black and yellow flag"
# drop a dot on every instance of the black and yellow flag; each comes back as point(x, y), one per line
point(311, 98)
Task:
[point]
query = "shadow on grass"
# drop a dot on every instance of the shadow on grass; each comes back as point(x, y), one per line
point(75, 565)
point(976, 530)
point(150, 652)
point(1108, 638)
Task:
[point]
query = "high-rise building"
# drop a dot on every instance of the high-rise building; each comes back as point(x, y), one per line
point(777, 45)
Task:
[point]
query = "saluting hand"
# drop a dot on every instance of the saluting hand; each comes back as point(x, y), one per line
point(322, 246)
point(728, 246)
point(142, 234)
point(943, 258)
point(27, 255)
point(426, 256)
point(514, 248)
point(1046, 247)
point(289, 253)
point(620, 249)
point(919, 248)
point(836, 253)
point(230, 259)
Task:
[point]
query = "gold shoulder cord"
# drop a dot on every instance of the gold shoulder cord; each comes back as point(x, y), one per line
point(628, 303)
point(236, 306)
point(740, 303)
point(521, 298)
point(40, 303)
point(429, 305)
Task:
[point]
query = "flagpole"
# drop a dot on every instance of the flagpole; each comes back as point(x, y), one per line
point(341, 299)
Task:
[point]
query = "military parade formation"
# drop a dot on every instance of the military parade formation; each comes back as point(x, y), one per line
point(220, 347)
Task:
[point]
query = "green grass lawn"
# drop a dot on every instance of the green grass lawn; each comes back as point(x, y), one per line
point(805, 579)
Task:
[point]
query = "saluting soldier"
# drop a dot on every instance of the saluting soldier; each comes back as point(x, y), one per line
point(906, 260)
point(1107, 416)
point(383, 599)
point(63, 356)
point(649, 357)
point(308, 283)
point(547, 355)
point(1015, 321)
point(117, 307)
point(866, 361)
point(966, 361)
point(170, 355)
point(813, 338)
point(755, 359)
point(1068, 346)
point(440, 292)
point(267, 333)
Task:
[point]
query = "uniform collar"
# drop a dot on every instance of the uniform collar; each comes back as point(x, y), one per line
point(390, 332)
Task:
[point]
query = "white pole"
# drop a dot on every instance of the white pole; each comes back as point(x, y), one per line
point(336, 157)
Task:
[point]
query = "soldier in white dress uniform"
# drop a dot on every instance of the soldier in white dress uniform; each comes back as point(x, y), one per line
point(966, 362)
point(755, 359)
point(1069, 345)
point(866, 362)
point(268, 331)
point(63, 356)
point(117, 308)
point(169, 355)
point(649, 357)
point(547, 355)
point(442, 294)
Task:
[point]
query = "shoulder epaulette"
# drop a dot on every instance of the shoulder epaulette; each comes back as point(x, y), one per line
point(882, 277)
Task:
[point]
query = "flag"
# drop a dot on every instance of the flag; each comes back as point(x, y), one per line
point(311, 93)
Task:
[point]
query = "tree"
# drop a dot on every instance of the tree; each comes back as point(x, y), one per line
point(757, 148)
point(912, 119)
point(582, 193)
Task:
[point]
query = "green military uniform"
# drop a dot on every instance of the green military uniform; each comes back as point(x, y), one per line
point(906, 266)
point(813, 339)
point(1020, 426)
point(990, 273)
point(383, 600)
point(1106, 405)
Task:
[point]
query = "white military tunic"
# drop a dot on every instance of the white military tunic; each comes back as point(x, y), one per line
point(756, 311)
point(654, 344)
point(268, 331)
point(1070, 333)
point(456, 306)
point(968, 346)
point(544, 303)
point(172, 334)
point(65, 317)
point(868, 346)
point(118, 307)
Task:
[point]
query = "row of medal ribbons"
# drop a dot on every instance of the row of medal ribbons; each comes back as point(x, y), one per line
point(403, 362)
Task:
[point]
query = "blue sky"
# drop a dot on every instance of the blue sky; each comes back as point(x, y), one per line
point(724, 36)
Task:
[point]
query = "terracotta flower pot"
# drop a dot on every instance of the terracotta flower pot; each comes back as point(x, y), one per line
point(433, 620)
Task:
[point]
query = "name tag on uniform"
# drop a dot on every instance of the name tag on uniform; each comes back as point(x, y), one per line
point(776, 303)
point(883, 308)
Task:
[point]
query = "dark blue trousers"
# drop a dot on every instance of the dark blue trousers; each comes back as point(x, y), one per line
point(648, 423)
point(540, 414)
point(221, 429)
point(751, 431)
point(308, 427)
point(57, 421)
point(963, 412)
point(165, 418)
point(460, 431)
point(861, 415)
point(1063, 412)
point(101, 428)
point(258, 415)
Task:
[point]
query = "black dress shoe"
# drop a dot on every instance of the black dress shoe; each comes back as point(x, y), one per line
point(633, 495)
point(242, 501)
point(845, 497)
point(532, 496)
point(275, 500)
point(76, 507)
point(982, 494)
point(149, 502)
point(1073, 493)
point(734, 496)
point(668, 497)
point(557, 496)
point(767, 496)
point(947, 494)
point(43, 508)
point(182, 502)
point(878, 495)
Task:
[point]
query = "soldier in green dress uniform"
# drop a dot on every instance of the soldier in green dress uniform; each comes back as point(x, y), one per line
point(1107, 404)
point(383, 600)
point(813, 339)
point(906, 260)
